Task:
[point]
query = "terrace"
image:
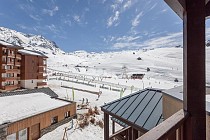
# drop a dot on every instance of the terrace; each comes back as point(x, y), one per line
point(189, 122)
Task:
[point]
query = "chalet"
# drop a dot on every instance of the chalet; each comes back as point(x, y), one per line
point(10, 62)
point(33, 69)
point(29, 114)
point(137, 76)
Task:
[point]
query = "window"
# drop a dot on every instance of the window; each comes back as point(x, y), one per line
point(67, 114)
point(54, 120)
point(22, 134)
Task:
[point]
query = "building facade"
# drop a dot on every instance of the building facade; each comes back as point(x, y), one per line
point(10, 62)
point(33, 69)
point(21, 68)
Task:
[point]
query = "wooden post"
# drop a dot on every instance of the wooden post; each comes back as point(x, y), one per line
point(135, 134)
point(106, 126)
point(113, 127)
point(130, 133)
point(194, 69)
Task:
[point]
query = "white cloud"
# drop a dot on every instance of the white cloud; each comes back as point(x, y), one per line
point(169, 40)
point(76, 18)
point(22, 26)
point(52, 28)
point(128, 38)
point(35, 17)
point(51, 12)
point(113, 19)
point(127, 4)
point(118, 7)
point(153, 6)
point(27, 8)
point(67, 21)
point(136, 20)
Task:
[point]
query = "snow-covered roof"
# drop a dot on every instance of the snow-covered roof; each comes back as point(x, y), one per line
point(17, 107)
point(9, 45)
point(4, 43)
point(177, 93)
point(23, 51)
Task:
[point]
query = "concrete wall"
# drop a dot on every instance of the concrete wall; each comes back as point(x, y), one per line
point(29, 84)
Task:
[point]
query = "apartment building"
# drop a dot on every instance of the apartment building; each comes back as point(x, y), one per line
point(10, 62)
point(21, 68)
point(33, 69)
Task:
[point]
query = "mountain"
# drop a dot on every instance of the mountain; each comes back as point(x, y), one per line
point(28, 41)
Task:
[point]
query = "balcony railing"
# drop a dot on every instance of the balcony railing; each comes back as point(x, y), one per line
point(10, 62)
point(18, 56)
point(41, 83)
point(10, 78)
point(10, 70)
point(17, 63)
point(11, 55)
point(10, 87)
point(171, 128)
point(41, 70)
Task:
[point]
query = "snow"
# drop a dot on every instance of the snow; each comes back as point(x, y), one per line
point(5, 43)
point(17, 107)
point(165, 65)
point(29, 52)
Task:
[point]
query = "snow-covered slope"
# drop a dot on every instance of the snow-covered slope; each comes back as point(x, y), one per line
point(165, 63)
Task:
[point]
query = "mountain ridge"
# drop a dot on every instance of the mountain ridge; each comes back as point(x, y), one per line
point(29, 41)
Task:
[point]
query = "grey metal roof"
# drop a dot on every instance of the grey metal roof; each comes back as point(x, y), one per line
point(119, 122)
point(142, 109)
point(46, 90)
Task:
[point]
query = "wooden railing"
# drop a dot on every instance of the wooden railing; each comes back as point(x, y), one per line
point(122, 134)
point(10, 87)
point(171, 128)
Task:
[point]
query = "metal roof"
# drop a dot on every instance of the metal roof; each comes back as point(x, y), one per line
point(142, 110)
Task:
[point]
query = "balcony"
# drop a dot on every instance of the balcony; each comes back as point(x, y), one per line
point(41, 84)
point(4, 53)
point(10, 78)
point(10, 87)
point(40, 70)
point(41, 77)
point(17, 63)
point(10, 70)
point(10, 63)
point(18, 56)
point(11, 55)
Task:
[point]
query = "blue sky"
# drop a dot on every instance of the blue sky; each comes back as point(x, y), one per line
point(95, 25)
